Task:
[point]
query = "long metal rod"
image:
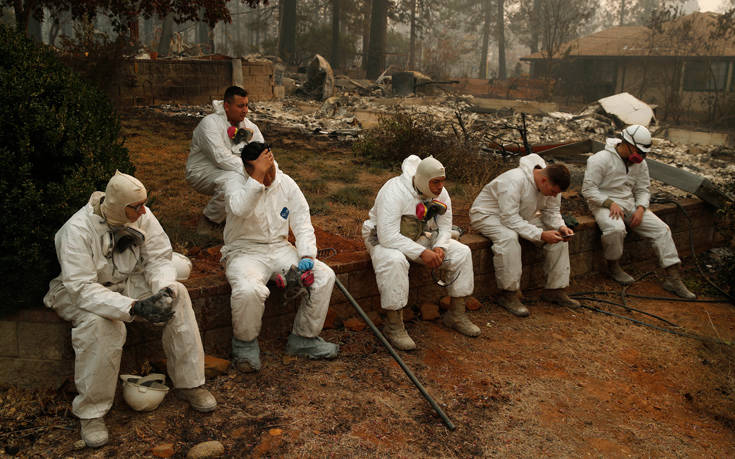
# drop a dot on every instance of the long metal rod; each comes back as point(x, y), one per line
point(395, 356)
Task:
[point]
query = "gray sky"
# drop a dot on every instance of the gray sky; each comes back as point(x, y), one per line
point(711, 5)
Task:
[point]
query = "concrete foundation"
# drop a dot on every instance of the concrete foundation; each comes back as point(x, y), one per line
point(687, 136)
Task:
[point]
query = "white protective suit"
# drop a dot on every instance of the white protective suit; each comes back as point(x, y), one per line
point(212, 152)
point(390, 250)
point(511, 206)
point(256, 246)
point(95, 291)
point(607, 177)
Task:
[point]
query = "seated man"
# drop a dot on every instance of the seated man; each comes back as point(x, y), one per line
point(616, 185)
point(508, 208)
point(412, 220)
point(116, 263)
point(261, 207)
point(215, 148)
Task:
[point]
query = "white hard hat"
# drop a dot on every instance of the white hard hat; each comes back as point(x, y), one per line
point(183, 266)
point(639, 136)
point(144, 393)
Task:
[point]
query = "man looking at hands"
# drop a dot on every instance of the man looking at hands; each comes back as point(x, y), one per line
point(525, 202)
point(412, 220)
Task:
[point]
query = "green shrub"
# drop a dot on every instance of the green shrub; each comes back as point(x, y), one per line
point(402, 134)
point(399, 135)
point(58, 143)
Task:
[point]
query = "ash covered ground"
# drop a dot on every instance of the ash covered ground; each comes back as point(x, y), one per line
point(345, 117)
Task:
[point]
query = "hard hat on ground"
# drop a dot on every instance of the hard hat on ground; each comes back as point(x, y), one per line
point(144, 393)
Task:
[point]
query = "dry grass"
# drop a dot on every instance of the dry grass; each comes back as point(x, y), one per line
point(560, 383)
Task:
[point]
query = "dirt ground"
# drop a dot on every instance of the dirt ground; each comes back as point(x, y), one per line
point(562, 382)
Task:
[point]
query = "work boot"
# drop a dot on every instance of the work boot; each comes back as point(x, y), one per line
point(199, 398)
point(206, 227)
point(559, 296)
point(246, 355)
point(456, 318)
point(395, 331)
point(313, 348)
point(94, 432)
point(509, 299)
point(673, 283)
point(617, 273)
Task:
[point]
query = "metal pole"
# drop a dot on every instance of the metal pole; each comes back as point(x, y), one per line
point(393, 354)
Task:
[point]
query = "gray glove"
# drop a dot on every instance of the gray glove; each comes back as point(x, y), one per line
point(156, 308)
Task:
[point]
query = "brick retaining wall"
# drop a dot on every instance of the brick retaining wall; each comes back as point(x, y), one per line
point(188, 81)
point(35, 345)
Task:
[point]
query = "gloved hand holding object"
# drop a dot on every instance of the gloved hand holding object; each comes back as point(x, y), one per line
point(126, 236)
point(156, 308)
point(295, 282)
point(239, 135)
point(306, 264)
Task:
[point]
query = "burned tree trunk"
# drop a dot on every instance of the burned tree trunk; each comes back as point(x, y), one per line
point(366, 33)
point(534, 24)
point(502, 73)
point(167, 31)
point(485, 39)
point(378, 32)
point(412, 42)
point(287, 32)
point(336, 11)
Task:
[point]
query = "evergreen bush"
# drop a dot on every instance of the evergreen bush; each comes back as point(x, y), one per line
point(59, 141)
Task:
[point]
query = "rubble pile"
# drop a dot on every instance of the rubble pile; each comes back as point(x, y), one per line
point(345, 116)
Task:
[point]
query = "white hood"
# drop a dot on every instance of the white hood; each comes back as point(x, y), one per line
point(408, 168)
point(528, 163)
point(398, 197)
point(219, 106)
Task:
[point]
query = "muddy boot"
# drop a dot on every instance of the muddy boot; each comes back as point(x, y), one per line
point(559, 296)
point(617, 273)
point(94, 432)
point(673, 283)
point(206, 227)
point(311, 347)
point(457, 319)
point(246, 355)
point(395, 331)
point(199, 398)
point(511, 301)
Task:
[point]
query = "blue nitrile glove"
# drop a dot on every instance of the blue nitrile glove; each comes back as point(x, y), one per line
point(306, 264)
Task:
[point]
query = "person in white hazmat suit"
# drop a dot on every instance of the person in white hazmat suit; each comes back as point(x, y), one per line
point(215, 149)
point(392, 240)
point(261, 207)
point(526, 202)
point(117, 263)
point(616, 187)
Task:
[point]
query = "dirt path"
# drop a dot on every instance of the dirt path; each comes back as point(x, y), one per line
point(559, 383)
